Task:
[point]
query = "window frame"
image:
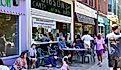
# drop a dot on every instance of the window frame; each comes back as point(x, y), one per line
point(18, 50)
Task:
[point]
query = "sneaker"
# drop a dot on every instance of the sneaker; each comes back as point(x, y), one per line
point(100, 65)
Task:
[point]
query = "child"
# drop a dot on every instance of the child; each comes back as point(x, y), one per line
point(99, 48)
point(65, 64)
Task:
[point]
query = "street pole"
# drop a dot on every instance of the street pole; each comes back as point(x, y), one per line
point(97, 15)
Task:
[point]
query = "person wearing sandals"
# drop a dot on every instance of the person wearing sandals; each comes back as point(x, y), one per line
point(33, 54)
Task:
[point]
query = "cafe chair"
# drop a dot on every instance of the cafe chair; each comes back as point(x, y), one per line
point(90, 57)
point(52, 51)
point(41, 55)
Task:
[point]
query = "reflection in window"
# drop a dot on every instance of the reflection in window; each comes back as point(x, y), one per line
point(45, 30)
point(8, 35)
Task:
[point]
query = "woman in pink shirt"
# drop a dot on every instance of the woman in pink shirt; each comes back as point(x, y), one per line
point(99, 48)
point(21, 62)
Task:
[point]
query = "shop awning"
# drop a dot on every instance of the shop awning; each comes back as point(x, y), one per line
point(85, 19)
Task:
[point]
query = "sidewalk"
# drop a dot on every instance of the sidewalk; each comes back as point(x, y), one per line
point(104, 67)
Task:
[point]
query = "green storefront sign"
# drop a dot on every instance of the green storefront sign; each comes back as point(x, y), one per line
point(5, 3)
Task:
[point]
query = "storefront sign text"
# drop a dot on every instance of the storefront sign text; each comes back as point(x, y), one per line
point(83, 9)
point(5, 3)
point(44, 24)
point(85, 19)
point(54, 6)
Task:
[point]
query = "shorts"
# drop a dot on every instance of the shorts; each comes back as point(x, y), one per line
point(99, 52)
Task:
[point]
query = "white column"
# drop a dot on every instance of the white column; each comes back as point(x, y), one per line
point(72, 22)
point(28, 23)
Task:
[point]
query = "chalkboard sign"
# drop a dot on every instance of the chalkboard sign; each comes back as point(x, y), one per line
point(54, 6)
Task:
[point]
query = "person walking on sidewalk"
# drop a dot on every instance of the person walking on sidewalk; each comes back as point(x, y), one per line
point(99, 48)
point(114, 48)
point(87, 40)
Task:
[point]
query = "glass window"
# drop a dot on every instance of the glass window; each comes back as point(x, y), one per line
point(9, 40)
point(87, 2)
point(47, 30)
point(78, 28)
point(93, 3)
point(109, 7)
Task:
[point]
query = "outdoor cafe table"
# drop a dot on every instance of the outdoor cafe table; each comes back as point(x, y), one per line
point(75, 49)
point(38, 42)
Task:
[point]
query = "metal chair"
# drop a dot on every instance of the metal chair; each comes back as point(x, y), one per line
point(41, 56)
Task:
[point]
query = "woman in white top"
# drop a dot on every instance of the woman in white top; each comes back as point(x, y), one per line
point(33, 55)
point(2, 66)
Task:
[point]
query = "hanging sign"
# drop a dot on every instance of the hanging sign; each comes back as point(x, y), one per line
point(44, 24)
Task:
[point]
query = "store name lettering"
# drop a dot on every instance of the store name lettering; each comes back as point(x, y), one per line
point(5, 3)
point(54, 6)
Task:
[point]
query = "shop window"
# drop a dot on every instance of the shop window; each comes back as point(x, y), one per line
point(9, 39)
point(46, 30)
point(78, 28)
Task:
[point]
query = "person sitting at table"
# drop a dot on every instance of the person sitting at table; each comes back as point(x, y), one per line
point(68, 40)
point(61, 45)
point(78, 42)
point(51, 61)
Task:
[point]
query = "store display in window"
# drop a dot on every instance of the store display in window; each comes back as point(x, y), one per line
point(8, 35)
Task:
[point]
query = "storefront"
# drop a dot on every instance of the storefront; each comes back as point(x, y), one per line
point(103, 25)
point(12, 29)
point(85, 19)
point(49, 18)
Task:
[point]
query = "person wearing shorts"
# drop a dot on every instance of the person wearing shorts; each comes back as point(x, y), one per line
point(99, 48)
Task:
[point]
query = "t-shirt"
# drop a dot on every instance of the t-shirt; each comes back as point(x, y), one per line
point(112, 49)
point(3, 67)
point(99, 44)
point(87, 39)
